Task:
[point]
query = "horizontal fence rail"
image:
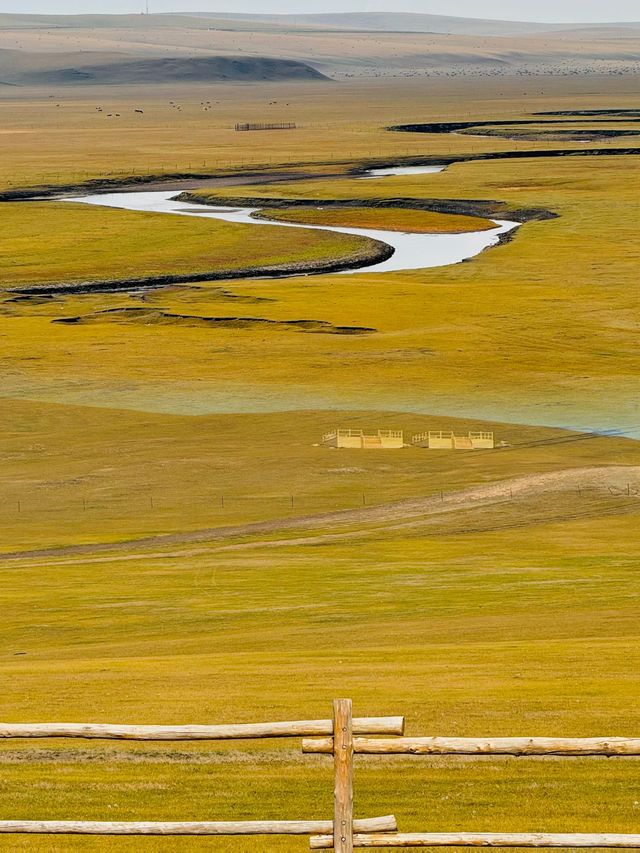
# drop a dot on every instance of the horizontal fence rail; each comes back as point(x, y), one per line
point(255, 827)
point(342, 737)
point(518, 746)
point(483, 839)
point(300, 728)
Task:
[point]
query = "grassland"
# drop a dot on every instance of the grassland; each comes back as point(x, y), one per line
point(538, 640)
point(512, 352)
point(81, 243)
point(64, 139)
point(529, 331)
point(83, 474)
point(386, 219)
point(512, 617)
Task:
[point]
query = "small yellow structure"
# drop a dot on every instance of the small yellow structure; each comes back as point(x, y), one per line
point(445, 440)
point(357, 439)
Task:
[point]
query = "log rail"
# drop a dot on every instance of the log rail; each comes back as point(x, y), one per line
point(485, 839)
point(249, 827)
point(516, 746)
point(342, 737)
point(244, 731)
point(341, 725)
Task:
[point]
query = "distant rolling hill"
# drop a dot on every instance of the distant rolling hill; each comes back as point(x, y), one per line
point(413, 23)
point(389, 22)
point(84, 68)
point(202, 48)
point(18, 21)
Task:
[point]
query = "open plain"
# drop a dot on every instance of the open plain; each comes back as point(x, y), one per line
point(178, 546)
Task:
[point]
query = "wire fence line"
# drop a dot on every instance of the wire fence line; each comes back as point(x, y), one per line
point(157, 501)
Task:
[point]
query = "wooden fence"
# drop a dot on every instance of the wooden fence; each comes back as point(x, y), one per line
point(277, 125)
point(343, 737)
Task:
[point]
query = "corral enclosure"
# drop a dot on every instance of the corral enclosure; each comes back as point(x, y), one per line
point(385, 439)
point(447, 440)
point(282, 125)
point(382, 439)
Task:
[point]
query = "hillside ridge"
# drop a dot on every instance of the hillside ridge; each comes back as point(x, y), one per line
point(85, 68)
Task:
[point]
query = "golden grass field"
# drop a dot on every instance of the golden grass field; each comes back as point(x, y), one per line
point(97, 244)
point(64, 138)
point(509, 615)
point(410, 221)
point(495, 641)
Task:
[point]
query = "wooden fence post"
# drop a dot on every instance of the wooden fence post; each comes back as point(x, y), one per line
point(343, 766)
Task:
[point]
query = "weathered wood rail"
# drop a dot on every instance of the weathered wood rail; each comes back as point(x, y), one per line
point(246, 731)
point(484, 839)
point(342, 737)
point(241, 827)
point(516, 746)
point(341, 729)
point(510, 746)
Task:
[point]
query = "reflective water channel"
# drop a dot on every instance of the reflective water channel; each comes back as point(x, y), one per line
point(411, 251)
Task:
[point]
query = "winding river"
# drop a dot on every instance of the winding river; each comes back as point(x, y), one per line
point(394, 171)
point(411, 251)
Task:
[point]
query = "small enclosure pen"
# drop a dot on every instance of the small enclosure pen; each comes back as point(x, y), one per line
point(342, 737)
point(278, 125)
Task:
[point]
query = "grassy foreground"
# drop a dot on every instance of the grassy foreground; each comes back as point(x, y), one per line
point(463, 633)
point(513, 621)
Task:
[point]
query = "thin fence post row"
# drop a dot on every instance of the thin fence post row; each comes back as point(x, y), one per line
point(342, 736)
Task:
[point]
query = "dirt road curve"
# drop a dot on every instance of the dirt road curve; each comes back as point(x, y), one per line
point(618, 480)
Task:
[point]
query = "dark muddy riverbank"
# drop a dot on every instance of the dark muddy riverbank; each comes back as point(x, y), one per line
point(173, 180)
point(485, 209)
point(182, 181)
point(492, 127)
point(375, 253)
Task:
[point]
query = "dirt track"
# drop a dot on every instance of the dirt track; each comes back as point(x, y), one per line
point(618, 480)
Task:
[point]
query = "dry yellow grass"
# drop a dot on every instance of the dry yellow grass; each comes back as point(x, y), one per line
point(42, 142)
point(83, 243)
point(530, 331)
point(88, 474)
point(532, 632)
point(516, 325)
point(409, 221)
point(505, 620)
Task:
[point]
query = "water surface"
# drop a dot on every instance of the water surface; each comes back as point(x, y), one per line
point(411, 251)
point(392, 171)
